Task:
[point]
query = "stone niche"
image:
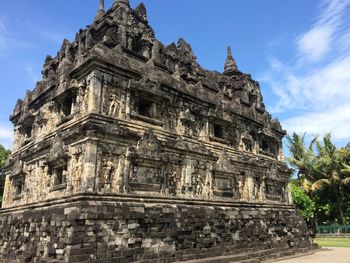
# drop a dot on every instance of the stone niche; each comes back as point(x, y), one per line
point(226, 178)
point(129, 151)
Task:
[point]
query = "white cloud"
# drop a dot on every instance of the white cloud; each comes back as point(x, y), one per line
point(316, 83)
point(6, 136)
point(336, 121)
point(5, 133)
point(314, 44)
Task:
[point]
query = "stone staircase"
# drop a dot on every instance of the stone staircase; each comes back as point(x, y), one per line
point(248, 255)
point(260, 256)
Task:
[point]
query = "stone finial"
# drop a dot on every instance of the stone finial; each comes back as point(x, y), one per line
point(122, 3)
point(101, 10)
point(141, 9)
point(230, 65)
point(102, 5)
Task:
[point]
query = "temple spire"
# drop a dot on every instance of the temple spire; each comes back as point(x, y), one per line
point(102, 6)
point(230, 65)
point(101, 10)
point(122, 3)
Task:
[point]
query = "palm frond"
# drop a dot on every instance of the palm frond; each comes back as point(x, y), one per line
point(346, 181)
point(320, 184)
point(346, 170)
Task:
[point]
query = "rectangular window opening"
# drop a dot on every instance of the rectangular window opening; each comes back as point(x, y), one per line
point(145, 108)
point(67, 106)
point(265, 146)
point(60, 176)
point(19, 188)
point(218, 131)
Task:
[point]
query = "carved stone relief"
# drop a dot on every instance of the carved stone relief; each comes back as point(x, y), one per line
point(225, 178)
point(187, 124)
point(184, 103)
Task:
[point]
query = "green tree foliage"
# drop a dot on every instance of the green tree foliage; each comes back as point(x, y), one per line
point(323, 172)
point(302, 202)
point(4, 154)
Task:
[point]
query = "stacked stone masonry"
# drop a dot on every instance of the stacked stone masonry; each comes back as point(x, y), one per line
point(120, 120)
point(156, 231)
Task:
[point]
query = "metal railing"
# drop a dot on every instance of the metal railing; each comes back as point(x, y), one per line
point(333, 229)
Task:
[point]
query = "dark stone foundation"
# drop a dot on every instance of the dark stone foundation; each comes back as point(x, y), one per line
point(127, 229)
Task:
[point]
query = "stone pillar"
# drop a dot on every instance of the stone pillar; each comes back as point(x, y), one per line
point(205, 132)
point(156, 51)
point(119, 174)
point(262, 190)
point(186, 177)
point(249, 188)
point(95, 93)
point(126, 171)
point(288, 195)
point(7, 192)
point(16, 142)
point(124, 40)
point(280, 156)
point(89, 175)
point(128, 102)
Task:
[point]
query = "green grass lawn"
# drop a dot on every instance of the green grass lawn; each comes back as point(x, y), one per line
point(333, 242)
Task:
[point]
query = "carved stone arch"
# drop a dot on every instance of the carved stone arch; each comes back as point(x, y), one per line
point(149, 146)
point(57, 162)
point(145, 164)
point(111, 37)
point(224, 163)
point(58, 149)
point(225, 177)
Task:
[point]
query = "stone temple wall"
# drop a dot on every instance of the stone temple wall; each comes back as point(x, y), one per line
point(115, 229)
point(175, 161)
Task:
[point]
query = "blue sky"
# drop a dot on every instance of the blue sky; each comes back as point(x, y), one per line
point(298, 50)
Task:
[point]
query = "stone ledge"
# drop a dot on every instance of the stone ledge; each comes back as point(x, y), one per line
point(145, 199)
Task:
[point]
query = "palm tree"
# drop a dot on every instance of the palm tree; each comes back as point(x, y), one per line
point(321, 166)
point(301, 156)
point(330, 173)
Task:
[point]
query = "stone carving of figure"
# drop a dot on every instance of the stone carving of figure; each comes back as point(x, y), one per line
point(228, 92)
point(172, 182)
point(247, 142)
point(108, 170)
point(77, 171)
point(198, 184)
point(64, 176)
point(188, 123)
point(241, 183)
point(256, 188)
point(114, 105)
point(111, 37)
point(81, 99)
point(262, 191)
point(209, 188)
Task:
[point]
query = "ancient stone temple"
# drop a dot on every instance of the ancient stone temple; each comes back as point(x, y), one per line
point(128, 150)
